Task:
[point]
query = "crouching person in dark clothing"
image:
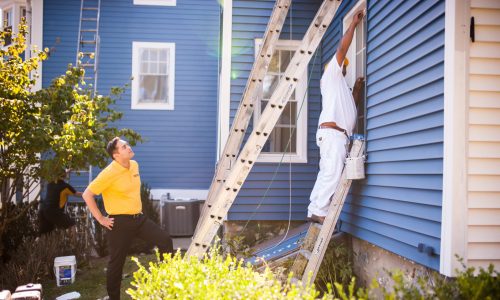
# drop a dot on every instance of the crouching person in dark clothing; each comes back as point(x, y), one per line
point(120, 184)
point(51, 213)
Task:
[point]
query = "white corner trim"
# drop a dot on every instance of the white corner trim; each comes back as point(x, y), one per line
point(225, 78)
point(37, 35)
point(454, 208)
point(156, 2)
point(135, 74)
point(180, 194)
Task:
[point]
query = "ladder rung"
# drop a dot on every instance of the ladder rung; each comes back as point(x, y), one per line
point(91, 8)
point(87, 65)
point(88, 42)
point(89, 19)
point(87, 53)
point(89, 30)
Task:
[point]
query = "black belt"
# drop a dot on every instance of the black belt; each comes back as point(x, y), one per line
point(135, 216)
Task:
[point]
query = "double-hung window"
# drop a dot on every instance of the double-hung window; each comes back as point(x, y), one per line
point(288, 140)
point(153, 71)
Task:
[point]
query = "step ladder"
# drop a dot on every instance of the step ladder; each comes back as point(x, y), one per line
point(226, 194)
point(87, 54)
point(306, 248)
point(249, 98)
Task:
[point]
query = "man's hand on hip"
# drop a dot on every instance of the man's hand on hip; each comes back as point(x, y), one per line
point(107, 222)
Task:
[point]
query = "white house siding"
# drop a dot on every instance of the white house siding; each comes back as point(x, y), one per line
point(483, 230)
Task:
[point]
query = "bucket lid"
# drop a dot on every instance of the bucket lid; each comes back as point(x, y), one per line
point(65, 259)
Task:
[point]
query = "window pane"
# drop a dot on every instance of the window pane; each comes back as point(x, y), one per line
point(286, 56)
point(269, 84)
point(144, 68)
point(153, 89)
point(278, 140)
point(144, 54)
point(163, 68)
point(359, 64)
point(153, 67)
point(289, 115)
point(153, 55)
point(274, 64)
point(163, 55)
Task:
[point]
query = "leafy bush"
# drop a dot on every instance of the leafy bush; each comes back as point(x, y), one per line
point(34, 259)
point(335, 267)
point(468, 285)
point(24, 226)
point(213, 277)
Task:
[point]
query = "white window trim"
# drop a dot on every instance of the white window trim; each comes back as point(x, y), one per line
point(135, 74)
point(301, 155)
point(225, 78)
point(454, 212)
point(351, 52)
point(156, 2)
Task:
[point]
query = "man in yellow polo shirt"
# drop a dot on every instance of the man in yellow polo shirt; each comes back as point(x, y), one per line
point(120, 186)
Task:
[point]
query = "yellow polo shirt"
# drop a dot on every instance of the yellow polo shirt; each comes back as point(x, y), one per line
point(120, 188)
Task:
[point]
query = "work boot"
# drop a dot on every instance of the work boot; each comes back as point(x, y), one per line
point(317, 219)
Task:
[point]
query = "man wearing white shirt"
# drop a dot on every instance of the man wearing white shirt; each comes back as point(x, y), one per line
point(336, 124)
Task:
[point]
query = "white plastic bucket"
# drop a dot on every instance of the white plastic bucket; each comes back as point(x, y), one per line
point(65, 269)
point(5, 295)
point(355, 167)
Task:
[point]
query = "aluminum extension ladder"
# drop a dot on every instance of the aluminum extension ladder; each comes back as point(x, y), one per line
point(234, 167)
point(304, 249)
point(87, 54)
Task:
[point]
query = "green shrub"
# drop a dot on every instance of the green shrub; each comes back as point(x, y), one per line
point(213, 277)
point(335, 267)
point(24, 226)
point(34, 259)
point(469, 284)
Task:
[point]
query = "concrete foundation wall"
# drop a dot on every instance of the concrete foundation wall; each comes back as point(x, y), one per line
point(372, 262)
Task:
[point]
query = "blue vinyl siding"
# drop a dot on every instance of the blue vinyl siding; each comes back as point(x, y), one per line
point(250, 19)
point(180, 144)
point(398, 205)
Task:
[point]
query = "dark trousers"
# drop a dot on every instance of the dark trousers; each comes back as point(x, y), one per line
point(125, 229)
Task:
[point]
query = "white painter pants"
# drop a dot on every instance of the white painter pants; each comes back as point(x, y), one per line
point(332, 147)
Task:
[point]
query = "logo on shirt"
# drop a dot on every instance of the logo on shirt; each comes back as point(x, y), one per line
point(136, 175)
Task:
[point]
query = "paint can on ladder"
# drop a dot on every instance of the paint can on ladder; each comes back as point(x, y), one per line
point(355, 166)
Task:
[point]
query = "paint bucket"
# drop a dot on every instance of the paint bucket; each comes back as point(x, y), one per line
point(5, 295)
point(65, 269)
point(355, 166)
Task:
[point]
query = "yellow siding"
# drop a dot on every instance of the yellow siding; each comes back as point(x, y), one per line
point(484, 137)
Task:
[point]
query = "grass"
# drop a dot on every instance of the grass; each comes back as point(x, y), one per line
point(90, 281)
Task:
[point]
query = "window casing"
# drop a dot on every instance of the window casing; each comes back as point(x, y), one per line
point(156, 2)
point(153, 70)
point(293, 120)
point(357, 60)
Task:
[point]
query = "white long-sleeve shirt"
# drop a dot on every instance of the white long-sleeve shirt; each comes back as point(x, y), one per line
point(338, 103)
